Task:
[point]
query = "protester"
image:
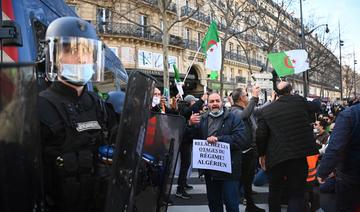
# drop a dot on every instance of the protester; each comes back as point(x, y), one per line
point(284, 138)
point(192, 105)
point(243, 108)
point(321, 135)
point(159, 104)
point(343, 155)
point(312, 198)
point(216, 125)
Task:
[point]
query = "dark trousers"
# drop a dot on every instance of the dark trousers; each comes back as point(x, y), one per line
point(248, 163)
point(347, 195)
point(185, 160)
point(312, 198)
point(221, 192)
point(290, 175)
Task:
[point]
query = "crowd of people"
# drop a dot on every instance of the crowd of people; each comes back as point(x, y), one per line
point(283, 143)
point(290, 143)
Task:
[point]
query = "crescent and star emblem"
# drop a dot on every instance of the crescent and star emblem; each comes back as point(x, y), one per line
point(210, 43)
point(286, 62)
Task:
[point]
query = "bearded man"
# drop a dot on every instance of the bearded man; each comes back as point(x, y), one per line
point(218, 124)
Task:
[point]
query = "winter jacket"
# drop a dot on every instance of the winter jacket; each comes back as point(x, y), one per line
point(284, 130)
point(232, 131)
point(343, 151)
point(246, 115)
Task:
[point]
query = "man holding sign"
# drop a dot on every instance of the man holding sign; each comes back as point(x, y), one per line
point(215, 126)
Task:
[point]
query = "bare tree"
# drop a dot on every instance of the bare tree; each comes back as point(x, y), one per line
point(272, 29)
point(234, 18)
point(348, 80)
point(128, 10)
point(324, 66)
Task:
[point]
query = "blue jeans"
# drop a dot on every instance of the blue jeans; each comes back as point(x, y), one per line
point(261, 178)
point(328, 186)
point(221, 192)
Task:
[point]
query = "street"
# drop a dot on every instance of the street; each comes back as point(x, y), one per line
point(198, 202)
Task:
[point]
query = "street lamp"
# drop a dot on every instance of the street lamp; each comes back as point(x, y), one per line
point(305, 73)
point(327, 30)
point(354, 80)
point(341, 43)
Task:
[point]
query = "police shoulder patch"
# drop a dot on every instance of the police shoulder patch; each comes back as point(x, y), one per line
point(89, 125)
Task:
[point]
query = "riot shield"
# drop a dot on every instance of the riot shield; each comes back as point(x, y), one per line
point(20, 157)
point(160, 153)
point(129, 143)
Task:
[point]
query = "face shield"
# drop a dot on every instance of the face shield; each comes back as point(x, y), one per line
point(76, 60)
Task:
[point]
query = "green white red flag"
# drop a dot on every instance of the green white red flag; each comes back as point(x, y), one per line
point(177, 80)
point(211, 47)
point(289, 62)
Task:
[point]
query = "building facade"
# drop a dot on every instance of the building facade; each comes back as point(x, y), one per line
point(133, 30)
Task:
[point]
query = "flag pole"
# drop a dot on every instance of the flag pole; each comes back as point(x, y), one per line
point(192, 62)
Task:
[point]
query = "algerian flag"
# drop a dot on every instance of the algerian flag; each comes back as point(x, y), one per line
point(211, 46)
point(178, 82)
point(289, 62)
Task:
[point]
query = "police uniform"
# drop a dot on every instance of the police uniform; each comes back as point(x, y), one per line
point(72, 128)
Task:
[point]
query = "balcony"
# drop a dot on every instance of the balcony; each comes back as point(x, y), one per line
point(240, 79)
point(199, 16)
point(241, 58)
point(190, 44)
point(172, 6)
point(234, 56)
point(132, 30)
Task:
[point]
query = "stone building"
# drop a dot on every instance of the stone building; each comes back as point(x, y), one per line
point(132, 29)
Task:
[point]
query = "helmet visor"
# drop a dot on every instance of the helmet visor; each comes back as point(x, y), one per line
point(75, 59)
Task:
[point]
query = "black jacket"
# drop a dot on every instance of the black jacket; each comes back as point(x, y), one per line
point(247, 115)
point(284, 129)
point(343, 151)
point(231, 131)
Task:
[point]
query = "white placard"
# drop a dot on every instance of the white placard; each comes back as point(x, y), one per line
point(211, 156)
point(264, 84)
point(264, 75)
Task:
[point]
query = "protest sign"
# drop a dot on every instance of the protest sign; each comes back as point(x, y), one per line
point(211, 156)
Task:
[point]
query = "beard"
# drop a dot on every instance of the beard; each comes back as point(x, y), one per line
point(215, 110)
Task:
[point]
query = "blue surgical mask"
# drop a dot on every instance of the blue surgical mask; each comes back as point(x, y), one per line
point(217, 113)
point(78, 74)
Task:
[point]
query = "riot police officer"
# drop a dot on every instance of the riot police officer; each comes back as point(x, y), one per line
point(74, 121)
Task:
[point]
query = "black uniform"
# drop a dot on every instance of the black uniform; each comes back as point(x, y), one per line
point(72, 129)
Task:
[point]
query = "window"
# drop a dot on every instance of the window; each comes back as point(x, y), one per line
point(198, 39)
point(238, 49)
point(103, 19)
point(187, 34)
point(231, 46)
point(161, 24)
point(144, 22)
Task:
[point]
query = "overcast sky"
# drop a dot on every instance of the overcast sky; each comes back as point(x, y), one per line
point(331, 12)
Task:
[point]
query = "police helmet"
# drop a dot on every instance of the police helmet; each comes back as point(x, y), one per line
point(116, 99)
point(73, 52)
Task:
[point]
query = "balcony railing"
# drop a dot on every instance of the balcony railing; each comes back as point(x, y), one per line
point(200, 16)
point(241, 58)
point(190, 44)
point(240, 79)
point(172, 6)
point(129, 29)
